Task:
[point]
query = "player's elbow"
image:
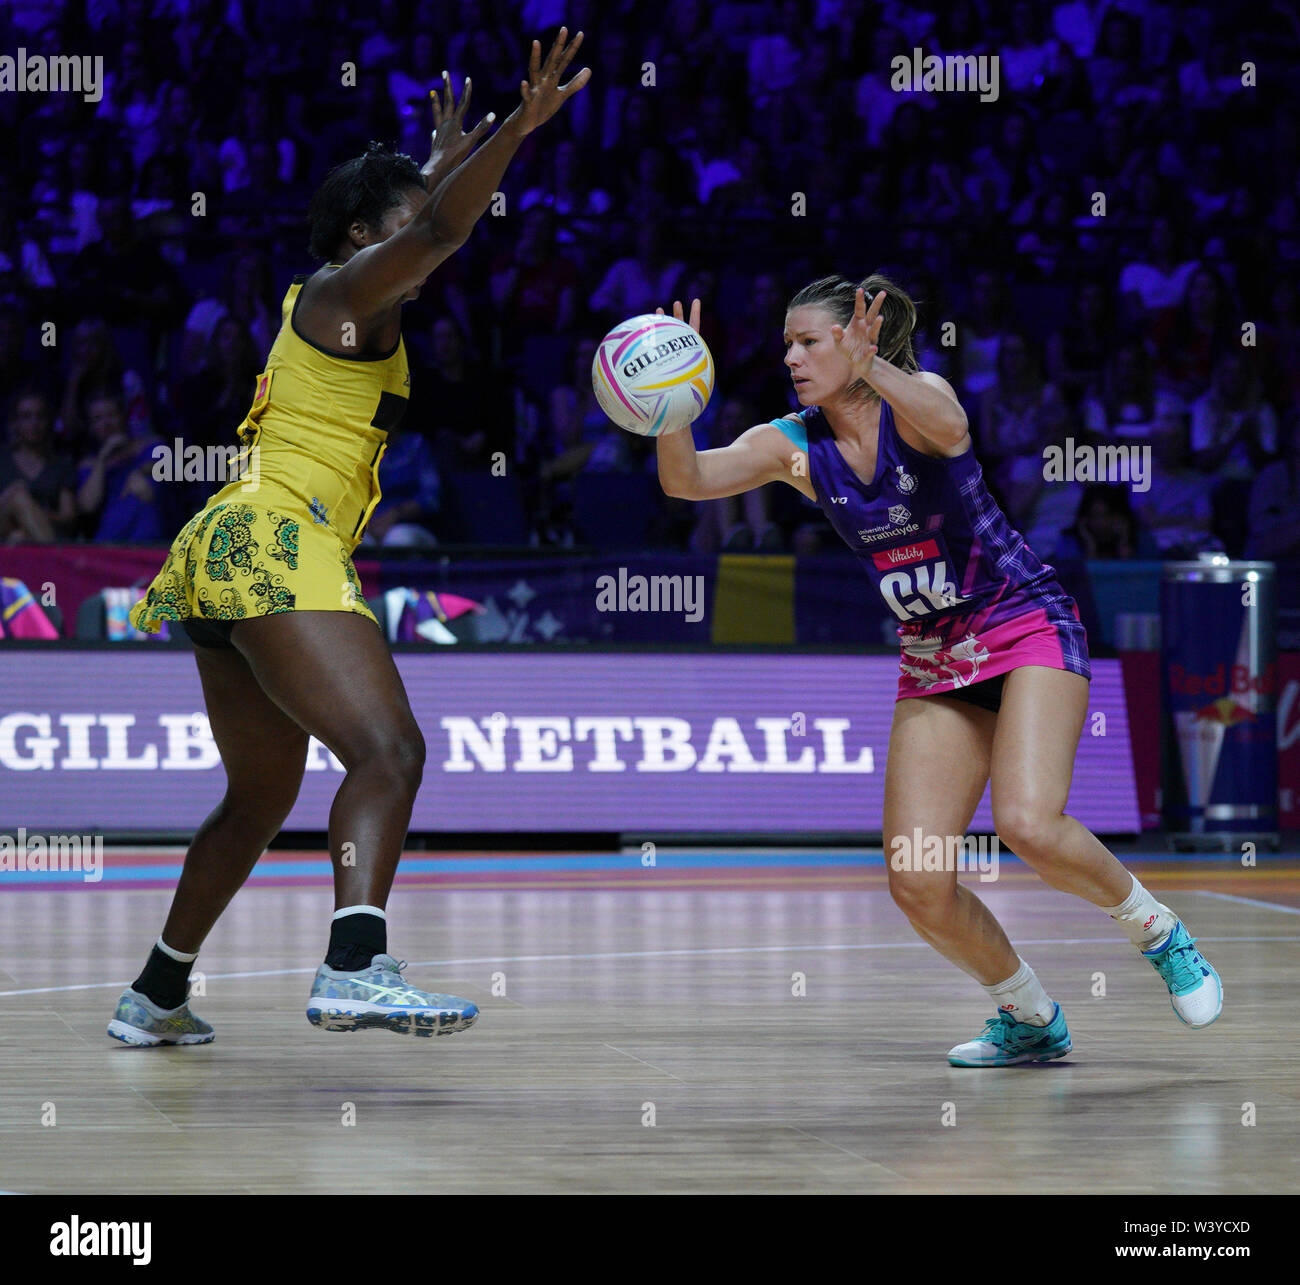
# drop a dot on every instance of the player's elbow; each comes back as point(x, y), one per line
point(446, 235)
point(954, 428)
point(678, 487)
point(446, 242)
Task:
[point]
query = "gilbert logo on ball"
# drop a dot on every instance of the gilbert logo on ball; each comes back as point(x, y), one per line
point(652, 375)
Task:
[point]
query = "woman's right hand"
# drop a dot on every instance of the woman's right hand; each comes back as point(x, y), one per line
point(678, 313)
point(542, 93)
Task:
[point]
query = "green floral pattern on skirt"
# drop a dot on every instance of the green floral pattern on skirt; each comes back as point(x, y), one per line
point(231, 561)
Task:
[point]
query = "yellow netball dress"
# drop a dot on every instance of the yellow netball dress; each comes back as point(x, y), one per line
point(281, 537)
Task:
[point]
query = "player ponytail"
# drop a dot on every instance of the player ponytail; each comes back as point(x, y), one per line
point(365, 188)
point(837, 295)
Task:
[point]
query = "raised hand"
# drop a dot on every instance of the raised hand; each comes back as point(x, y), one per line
point(677, 312)
point(449, 145)
point(542, 93)
point(859, 341)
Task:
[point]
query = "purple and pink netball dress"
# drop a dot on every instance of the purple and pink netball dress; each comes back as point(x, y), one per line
point(972, 599)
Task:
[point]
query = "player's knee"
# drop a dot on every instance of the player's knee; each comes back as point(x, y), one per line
point(1024, 826)
point(400, 753)
point(924, 899)
point(257, 810)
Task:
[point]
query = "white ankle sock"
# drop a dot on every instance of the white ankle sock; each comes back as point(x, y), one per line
point(1143, 918)
point(1023, 997)
point(177, 955)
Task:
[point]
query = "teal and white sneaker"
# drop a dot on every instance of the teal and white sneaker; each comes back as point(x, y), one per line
point(378, 997)
point(1006, 1042)
point(1195, 991)
point(139, 1021)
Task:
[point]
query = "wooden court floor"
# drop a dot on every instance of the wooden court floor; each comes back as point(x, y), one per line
point(646, 1039)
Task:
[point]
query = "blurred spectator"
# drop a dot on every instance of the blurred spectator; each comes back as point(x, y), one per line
point(1129, 405)
point(1201, 331)
point(412, 492)
point(1177, 508)
point(1274, 506)
point(1076, 354)
point(36, 479)
point(1208, 192)
point(648, 279)
point(123, 276)
point(535, 284)
point(247, 298)
point(1234, 430)
point(1027, 54)
point(735, 523)
point(1048, 248)
point(1156, 286)
point(411, 80)
point(461, 407)
point(1012, 165)
point(1019, 412)
point(753, 351)
point(980, 335)
point(1279, 341)
point(774, 57)
point(212, 402)
point(712, 151)
point(93, 362)
point(1116, 65)
point(23, 265)
point(1105, 526)
point(14, 371)
point(659, 183)
point(116, 496)
point(875, 98)
point(570, 192)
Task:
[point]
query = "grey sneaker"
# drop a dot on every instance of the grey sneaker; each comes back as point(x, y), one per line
point(378, 997)
point(138, 1020)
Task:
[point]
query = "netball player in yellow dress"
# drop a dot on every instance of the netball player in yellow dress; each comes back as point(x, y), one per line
point(262, 578)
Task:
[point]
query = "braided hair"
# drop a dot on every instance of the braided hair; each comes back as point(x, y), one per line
point(365, 188)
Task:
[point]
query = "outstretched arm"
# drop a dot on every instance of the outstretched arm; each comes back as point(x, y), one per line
point(380, 274)
point(923, 402)
point(759, 455)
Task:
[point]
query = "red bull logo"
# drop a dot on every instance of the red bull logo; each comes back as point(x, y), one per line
point(1222, 680)
point(1225, 710)
point(1221, 687)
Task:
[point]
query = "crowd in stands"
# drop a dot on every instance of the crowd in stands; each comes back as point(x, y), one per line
point(1107, 254)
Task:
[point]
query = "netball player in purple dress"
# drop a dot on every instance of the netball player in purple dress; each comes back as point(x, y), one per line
point(993, 681)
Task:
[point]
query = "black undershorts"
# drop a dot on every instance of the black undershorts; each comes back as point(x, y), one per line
point(987, 693)
point(209, 633)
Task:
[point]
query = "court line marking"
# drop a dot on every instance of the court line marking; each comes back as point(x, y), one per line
point(1248, 901)
point(687, 952)
point(866, 1160)
point(643, 1062)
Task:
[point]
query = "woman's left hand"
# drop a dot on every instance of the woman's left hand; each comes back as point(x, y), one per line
point(859, 340)
point(449, 144)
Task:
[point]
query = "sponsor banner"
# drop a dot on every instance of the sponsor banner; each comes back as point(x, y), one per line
point(520, 741)
point(1220, 691)
point(1288, 740)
